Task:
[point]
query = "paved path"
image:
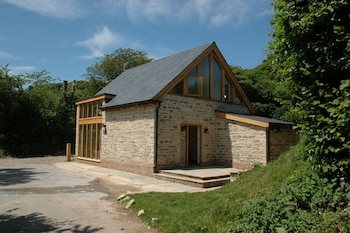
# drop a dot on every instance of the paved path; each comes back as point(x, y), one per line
point(37, 195)
point(132, 183)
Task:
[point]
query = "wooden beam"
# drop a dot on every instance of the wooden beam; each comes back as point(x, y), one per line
point(242, 119)
point(95, 98)
point(90, 120)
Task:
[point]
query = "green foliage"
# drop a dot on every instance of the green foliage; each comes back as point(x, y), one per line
point(217, 210)
point(38, 119)
point(288, 195)
point(311, 51)
point(264, 90)
point(304, 203)
point(112, 65)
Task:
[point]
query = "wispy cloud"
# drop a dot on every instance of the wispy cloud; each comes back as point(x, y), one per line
point(6, 55)
point(206, 12)
point(66, 9)
point(102, 41)
point(15, 70)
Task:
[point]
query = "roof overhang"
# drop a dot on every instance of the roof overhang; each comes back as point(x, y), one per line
point(147, 102)
point(95, 98)
point(252, 119)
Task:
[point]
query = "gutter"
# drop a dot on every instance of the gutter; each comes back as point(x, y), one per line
point(155, 168)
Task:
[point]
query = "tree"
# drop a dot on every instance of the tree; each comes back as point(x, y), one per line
point(263, 90)
point(112, 65)
point(311, 50)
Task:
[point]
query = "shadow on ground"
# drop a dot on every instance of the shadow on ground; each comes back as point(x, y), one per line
point(36, 222)
point(11, 176)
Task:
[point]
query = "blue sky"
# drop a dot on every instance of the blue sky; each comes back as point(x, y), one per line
point(64, 37)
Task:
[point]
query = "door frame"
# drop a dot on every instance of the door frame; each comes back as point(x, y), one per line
point(199, 143)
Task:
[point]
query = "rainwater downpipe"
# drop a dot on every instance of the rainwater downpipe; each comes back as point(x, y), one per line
point(155, 168)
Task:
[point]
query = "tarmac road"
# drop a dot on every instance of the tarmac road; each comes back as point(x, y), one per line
point(36, 196)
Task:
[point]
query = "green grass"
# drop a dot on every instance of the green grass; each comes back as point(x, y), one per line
point(216, 210)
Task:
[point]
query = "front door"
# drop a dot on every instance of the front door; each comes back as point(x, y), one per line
point(191, 144)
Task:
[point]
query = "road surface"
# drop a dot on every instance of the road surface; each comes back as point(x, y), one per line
point(36, 196)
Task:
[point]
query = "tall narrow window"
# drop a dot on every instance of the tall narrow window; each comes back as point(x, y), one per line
point(217, 88)
point(229, 92)
point(205, 74)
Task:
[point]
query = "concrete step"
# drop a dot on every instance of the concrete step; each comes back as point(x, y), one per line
point(193, 180)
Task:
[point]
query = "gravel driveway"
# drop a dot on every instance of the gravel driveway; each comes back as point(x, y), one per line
point(36, 196)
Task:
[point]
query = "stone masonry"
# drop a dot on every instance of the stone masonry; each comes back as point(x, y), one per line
point(129, 141)
point(176, 111)
point(249, 145)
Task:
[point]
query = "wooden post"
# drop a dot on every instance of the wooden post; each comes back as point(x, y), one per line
point(68, 151)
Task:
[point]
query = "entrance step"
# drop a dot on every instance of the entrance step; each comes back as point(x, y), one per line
point(201, 177)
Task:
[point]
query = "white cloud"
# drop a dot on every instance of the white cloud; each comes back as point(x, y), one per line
point(15, 70)
point(206, 12)
point(6, 55)
point(104, 40)
point(66, 9)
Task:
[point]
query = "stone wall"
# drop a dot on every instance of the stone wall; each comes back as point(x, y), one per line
point(176, 111)
point(281, 140)
point(249, 145)
point(129, 142)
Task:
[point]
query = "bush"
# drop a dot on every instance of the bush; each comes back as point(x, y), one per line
point(304, 203)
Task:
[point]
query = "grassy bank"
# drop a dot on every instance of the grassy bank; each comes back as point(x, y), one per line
point(264, 199)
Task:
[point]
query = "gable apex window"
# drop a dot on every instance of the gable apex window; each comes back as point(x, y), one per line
point(208, 80)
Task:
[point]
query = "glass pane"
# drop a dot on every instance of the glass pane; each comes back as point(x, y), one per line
point(217, 81)
point(194, 85)
point(237, 98)
point(179, 88)
point(228, 91)
point(193, 72)
point(205, 73)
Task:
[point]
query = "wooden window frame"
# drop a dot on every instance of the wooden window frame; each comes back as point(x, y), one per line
point(199, 83)
point(224, 74)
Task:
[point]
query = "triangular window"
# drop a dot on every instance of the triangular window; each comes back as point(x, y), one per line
point(207, 80)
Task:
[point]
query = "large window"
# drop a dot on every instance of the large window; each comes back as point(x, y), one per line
point(89, 127)
point(90, 141)
point(208, 81)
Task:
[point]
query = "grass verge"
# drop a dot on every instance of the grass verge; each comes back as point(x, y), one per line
point(216, 210)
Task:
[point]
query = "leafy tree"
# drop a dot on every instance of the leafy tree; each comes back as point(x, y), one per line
point(112, 65)
point(264, 90)
point(37, 116)
point(20, 123)
point(311, 50)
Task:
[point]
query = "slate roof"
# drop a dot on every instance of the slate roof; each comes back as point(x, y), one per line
point(144, 82)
